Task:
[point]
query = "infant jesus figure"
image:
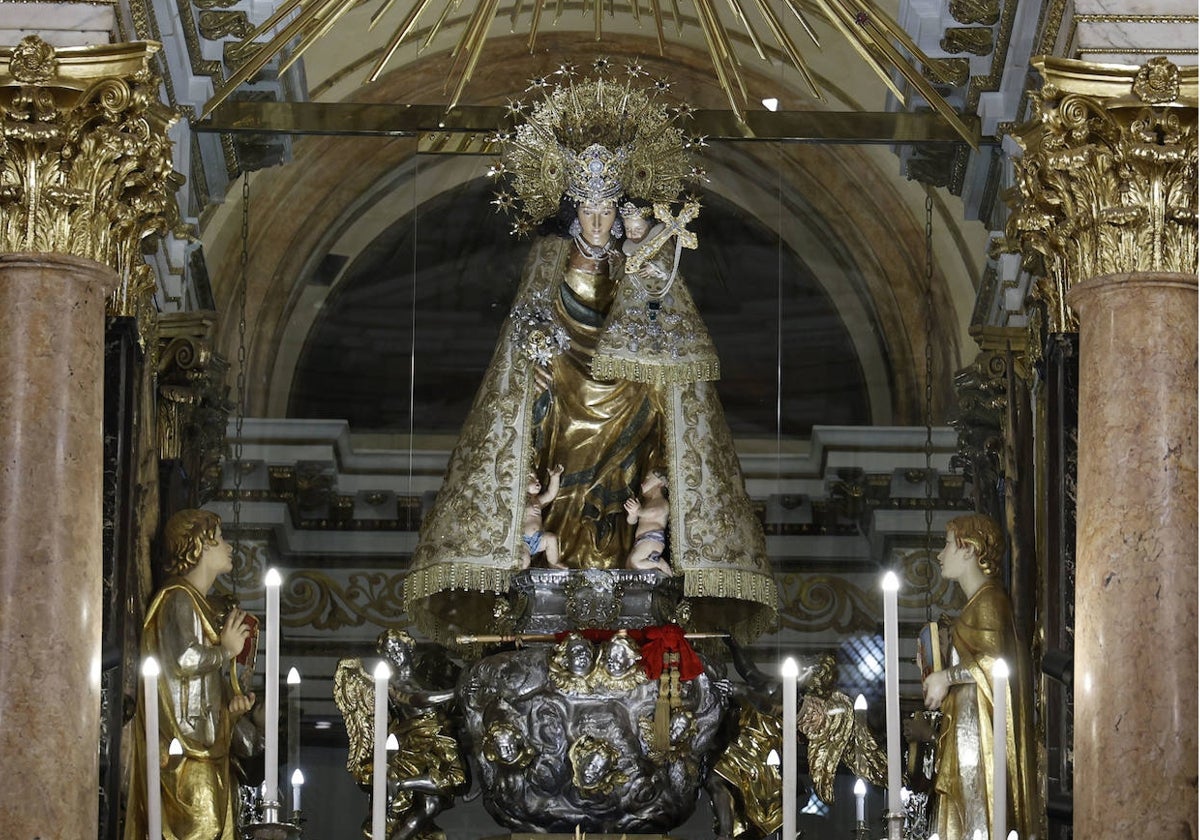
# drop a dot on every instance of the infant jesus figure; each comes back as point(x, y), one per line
point(533, 539)
point(650, 516)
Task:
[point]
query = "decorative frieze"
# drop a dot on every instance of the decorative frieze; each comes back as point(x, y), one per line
point(1107, 183)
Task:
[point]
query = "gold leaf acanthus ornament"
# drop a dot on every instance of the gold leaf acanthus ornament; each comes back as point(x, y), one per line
point(1107, 184)
point(874, 36)
point(85, 160)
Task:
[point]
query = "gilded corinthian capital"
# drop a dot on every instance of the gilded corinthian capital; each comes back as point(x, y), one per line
point(85, 161)
point(1107, 184)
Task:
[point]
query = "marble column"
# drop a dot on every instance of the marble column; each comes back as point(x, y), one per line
point(86, 147)
point(1107, 204)
point(1135, 637)
point(51, 411)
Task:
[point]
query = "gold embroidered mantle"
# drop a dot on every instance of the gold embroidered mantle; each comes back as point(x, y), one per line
point(467, 548)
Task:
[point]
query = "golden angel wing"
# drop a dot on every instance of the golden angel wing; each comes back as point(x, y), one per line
point(354, 693)
point(828, 726)
point(866, 758)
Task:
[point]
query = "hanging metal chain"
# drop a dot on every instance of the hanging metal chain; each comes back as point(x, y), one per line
point(929, 474)
point(240, 408)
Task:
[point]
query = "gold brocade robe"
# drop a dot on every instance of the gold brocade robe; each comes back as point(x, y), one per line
point(745, 765)
point(982, 633)
point(182, 631)
point(607, 434)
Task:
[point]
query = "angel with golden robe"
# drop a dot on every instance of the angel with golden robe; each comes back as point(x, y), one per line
point(426, 769)
point(195, 641)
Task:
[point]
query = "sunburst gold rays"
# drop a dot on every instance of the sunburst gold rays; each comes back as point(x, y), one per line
point(879, 41)
point(864, 26)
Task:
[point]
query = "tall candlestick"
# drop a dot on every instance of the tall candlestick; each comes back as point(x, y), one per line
point(293, 729)
point(379, 771)
point(150, 671)
point(789, 671)
point(271, 705)
point(297, 783)
point(891, 655)
point(860, 797)
point(999, 748)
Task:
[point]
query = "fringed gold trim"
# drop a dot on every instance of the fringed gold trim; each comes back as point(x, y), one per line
point(441, 581)
point(681, 373)
point(421, 583)
point(740, 585)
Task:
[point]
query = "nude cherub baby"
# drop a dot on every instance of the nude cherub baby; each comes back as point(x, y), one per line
point(650, 516)
point(534, 540)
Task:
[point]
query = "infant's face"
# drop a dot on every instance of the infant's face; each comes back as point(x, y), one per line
point(636, 226)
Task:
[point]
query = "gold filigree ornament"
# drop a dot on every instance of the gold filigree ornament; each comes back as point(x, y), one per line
point(591, 140)
point(1157, 82)
point(33, 61)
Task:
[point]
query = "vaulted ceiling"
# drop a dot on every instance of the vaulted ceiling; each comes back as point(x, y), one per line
point(378, 275)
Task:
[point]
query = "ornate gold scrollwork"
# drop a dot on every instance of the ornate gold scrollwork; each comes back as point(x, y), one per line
point(192, 409)
point(984, 12)
point(85, 161)
point(1107, 184)
point(976, 40)
point(217, 24)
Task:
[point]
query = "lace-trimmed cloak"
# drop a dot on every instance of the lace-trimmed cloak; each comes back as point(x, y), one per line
point(468, 544)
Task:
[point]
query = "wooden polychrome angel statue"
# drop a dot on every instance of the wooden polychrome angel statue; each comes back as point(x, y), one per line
point(427, 770)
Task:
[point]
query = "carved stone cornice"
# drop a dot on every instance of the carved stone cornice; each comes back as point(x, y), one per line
point(1107, 183)
point(85, 161)
point(192, 408)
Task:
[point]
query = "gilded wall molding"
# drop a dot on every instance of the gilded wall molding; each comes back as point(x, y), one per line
point(1107, 182)
point(85, 161)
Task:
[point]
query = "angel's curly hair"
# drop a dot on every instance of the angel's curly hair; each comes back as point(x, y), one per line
point(187, 533)
point(982, 533)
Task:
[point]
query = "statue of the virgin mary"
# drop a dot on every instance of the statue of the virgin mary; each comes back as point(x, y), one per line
point(604, 368)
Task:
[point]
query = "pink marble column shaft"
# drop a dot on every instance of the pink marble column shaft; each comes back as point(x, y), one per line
point(51, 451)
point(1135, 592)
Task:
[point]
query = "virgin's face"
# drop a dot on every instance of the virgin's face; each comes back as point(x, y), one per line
point(596, 220)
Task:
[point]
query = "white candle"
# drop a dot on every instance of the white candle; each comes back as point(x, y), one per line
point(297, 783)
point(891, 655)
point(379, 773)
point(293, 729)
point(789, 671)
point(860, 797)
point(271, 705)
point(999, 748)
point(150, 673)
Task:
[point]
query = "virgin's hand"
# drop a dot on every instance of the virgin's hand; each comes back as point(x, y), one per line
point(234, 632)
point(936, 687)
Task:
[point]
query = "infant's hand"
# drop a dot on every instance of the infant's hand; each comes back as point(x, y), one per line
point(558, 470)
point(633, 507)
